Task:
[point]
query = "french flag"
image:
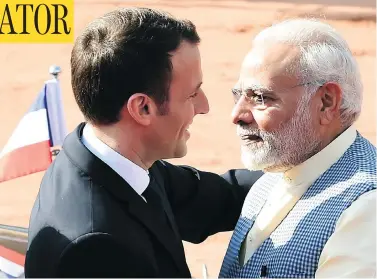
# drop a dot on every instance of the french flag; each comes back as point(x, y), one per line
point(28, 150)
point(11, 263)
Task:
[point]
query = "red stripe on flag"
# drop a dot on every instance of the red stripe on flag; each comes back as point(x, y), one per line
point(12, 256)
point(25, 160)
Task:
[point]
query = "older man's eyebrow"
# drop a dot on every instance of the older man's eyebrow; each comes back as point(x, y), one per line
point(255, 89)
point(236, 91)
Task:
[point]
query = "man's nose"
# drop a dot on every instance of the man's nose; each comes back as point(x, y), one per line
point(241, 112)
point(202, 105)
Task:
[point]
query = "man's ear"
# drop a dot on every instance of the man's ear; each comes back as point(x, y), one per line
point(331, 98)
point(141, 108)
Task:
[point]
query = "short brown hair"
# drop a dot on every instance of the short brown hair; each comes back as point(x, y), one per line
point(124, 52)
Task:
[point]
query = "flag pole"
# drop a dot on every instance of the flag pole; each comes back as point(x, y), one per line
point(55, 70)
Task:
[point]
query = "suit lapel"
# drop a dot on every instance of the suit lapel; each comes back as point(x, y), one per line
point(162, 232)
point(164, 198)
point(150, 220)
point(106, 177)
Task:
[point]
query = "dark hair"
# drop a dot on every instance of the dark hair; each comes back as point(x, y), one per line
point(124, 52)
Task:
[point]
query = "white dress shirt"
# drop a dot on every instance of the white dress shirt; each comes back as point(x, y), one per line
point(351, 250)
point(133, 174)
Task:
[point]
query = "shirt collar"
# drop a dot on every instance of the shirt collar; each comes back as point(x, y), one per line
point(316, 165)
point(134, 175)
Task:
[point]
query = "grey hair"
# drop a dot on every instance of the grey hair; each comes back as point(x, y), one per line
point(324, 57)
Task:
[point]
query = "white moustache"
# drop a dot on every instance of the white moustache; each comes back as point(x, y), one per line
point(242, 132)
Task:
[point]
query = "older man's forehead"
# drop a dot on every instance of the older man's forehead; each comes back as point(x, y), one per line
point(255, 75)
point(276, 84)
point(273, 58)
point(254, 58)
point(251, 83)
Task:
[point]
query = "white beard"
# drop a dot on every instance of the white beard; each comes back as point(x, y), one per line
point(290, 145)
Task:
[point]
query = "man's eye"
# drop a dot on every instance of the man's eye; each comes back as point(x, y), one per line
point(254, 97)
point(259, 99)
point(194, 95)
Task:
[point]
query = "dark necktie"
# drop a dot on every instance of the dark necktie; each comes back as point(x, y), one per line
point(153, 196)
point(159, 203)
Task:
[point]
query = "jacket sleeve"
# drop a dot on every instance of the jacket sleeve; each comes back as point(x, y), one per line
point(99, 255)
point(205, 203)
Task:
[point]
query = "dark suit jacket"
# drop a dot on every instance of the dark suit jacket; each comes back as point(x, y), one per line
point(88, 222)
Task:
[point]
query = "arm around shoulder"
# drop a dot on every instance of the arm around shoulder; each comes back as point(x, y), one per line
point(242, 177)
point(205, 203)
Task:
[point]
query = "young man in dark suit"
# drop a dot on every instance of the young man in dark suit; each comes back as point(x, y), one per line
point(109, 206)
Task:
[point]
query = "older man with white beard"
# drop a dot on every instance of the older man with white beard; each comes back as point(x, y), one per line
point(313, 212)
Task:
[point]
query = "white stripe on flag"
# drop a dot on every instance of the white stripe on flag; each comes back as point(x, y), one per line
point(11, 268)
point(32, 128)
